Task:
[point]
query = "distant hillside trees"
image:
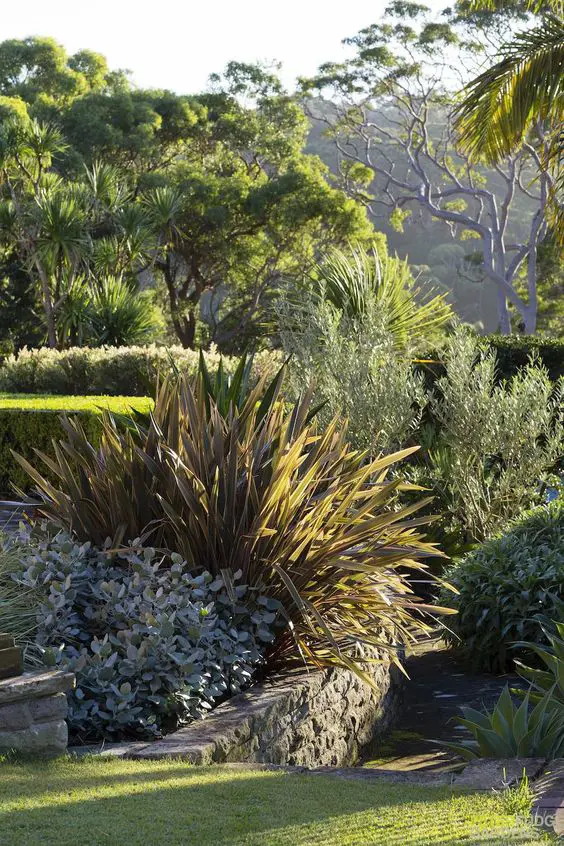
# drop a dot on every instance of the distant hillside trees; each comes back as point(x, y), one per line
point(392, 123)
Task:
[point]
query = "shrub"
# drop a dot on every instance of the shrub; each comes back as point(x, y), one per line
point(357, 370)
point(514, 352)
point(29, 423)
point(129, 371)
point(505, 583)
point(151, 646)
point(304, 517)
point(490, 446)
point(111, 311)
point(18, 608)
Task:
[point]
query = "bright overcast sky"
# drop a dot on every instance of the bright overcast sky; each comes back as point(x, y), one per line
point(176, 44)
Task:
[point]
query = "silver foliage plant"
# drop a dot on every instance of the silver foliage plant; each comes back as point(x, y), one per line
point(497, 443)
point(151, 646)
point(356, 368)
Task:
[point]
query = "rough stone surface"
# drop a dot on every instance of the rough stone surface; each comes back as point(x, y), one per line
point(548, 807)
point(34, 685)
point(41, 739)
point(33, 708)
point(307, 720)
point(495, 774)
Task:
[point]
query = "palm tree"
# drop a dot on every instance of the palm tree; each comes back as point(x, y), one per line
point(524, 89)
point(359, 281)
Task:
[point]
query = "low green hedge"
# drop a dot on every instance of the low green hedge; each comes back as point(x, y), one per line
point(504, 584)
point(28, 422)
point(130, 371)
point(513, 352)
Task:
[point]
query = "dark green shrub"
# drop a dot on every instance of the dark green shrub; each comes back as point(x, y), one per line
point(504, 584)
point(514, 351)
point(27, 424)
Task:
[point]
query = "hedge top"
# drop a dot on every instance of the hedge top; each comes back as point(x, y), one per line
point(95, 404)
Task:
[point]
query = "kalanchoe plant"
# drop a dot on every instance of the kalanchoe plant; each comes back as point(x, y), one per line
point(151, 646)
point(254, 488)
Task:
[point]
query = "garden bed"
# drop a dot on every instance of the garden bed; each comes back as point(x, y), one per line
point(317, 719)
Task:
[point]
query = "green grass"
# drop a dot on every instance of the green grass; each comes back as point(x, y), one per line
point(95, 801)
point(52, 402)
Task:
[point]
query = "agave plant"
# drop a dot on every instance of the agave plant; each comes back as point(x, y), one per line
point(511, 731)
point(551, 677)
point(259, 491)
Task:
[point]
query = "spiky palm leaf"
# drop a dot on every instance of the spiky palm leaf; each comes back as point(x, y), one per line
point(120, 315)
point(526, 86)
point(357, 280)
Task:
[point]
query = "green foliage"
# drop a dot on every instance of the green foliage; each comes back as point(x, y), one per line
point(360, 282)
point(551, 676)
point(490, 446)
point(28, 423)
point(504, 584)
point(357, 372)
point(151, 646)
point(18, 608)
point(20, 308)
point(130, 371)
point(305, 518)
point(246, 205)
point(347, 332)
point(39, 71)
point(514, 351)
point(513, 732)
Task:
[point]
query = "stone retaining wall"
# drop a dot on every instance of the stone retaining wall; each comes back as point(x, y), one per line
point(316, 719)
point(33, 708)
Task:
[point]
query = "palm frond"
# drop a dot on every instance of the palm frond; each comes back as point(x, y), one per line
point(358, 280)
point(525, 86)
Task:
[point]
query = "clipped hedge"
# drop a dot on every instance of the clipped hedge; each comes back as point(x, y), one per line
point(513, 352)
point(504, 584)
point(116, 371)
point(33, 422)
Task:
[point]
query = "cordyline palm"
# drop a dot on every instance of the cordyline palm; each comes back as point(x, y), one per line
point(356, 280)
point(257, 489)
point(526, 87)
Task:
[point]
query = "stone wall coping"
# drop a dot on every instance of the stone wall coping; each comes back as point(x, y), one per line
point(35, 684)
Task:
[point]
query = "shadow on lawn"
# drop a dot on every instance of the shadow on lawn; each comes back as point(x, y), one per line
point(278, 810)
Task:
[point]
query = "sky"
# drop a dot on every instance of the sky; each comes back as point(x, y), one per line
point(176, 44)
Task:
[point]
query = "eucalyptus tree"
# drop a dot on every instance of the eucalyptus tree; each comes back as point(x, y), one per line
point(392, 119)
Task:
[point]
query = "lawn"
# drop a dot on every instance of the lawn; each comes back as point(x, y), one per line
point(94, 801)
point(54, 402)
